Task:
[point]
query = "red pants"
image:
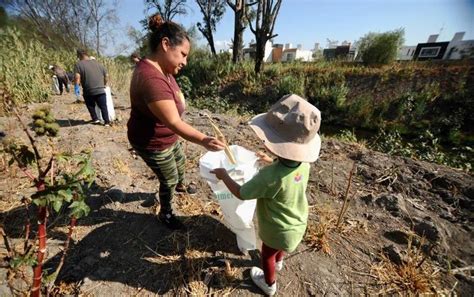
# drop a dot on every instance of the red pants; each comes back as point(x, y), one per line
point(269, 257)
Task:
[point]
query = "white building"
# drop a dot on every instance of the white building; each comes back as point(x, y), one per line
point(296, 54)
point(250, 52)
point(405, 53)
point(459, 49)
point(455, 49)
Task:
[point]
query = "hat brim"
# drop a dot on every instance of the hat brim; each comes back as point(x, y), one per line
point(306, 152)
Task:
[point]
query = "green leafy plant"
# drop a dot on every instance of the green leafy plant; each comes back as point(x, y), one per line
point(185, 85)
point(291, 84)
point(60, 183)
point(347, 136)
point(381, 48)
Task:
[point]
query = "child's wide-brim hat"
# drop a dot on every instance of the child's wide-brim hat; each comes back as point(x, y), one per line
point(290, 129)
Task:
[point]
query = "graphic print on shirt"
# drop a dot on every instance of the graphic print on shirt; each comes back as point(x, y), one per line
point(298, 177)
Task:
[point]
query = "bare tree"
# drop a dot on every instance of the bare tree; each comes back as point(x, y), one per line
point(168, 9)
point(103, 17)
point(68, 24)
point(55, 20)
point(240, 23)
point(266, 14)
point(212, 11)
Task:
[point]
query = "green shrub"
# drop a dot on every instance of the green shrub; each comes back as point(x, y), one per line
point(291, 84)
point(381, 48)
point(347, 136)
point(185, 85)
point(391, 142)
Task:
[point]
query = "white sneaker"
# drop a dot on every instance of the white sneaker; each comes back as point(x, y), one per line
point(279, 265)
point(259, 279)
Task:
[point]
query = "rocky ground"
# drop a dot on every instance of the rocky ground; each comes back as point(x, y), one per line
point(408, 225)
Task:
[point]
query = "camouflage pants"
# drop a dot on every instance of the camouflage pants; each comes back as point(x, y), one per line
point(169, 166)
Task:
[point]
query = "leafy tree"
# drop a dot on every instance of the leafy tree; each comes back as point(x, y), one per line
point(168, 9)
point(380, 48)
point(212, 11)
point(266, 14)
point(240, 23)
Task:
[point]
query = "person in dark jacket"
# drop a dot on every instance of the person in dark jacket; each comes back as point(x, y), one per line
point(62, 77)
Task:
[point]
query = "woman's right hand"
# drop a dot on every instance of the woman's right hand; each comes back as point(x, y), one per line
point(212, 144)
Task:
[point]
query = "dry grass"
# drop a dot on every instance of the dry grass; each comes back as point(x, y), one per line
point(413, 277)
point(195, 279)
point(318, 233)
point(191, 206)
point(121, 166)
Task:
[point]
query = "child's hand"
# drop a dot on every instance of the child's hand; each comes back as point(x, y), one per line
point(220, 173)
point(264, 157)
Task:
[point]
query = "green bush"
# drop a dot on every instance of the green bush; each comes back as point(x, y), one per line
point(381, 48)
point(203, 68)
point(347, 136)
point(185, 85)
point(291, 84)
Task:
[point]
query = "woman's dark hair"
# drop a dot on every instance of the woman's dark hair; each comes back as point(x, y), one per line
point(161, 29)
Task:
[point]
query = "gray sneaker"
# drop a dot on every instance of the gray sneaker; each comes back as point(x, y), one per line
point(279, 265)
point(258, 278)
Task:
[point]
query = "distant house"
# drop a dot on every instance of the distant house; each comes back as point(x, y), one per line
point(296, 54)
point(430, 51)
point(406, 53)
point(251, 51)
point(455, 49)
point(459, 48)
point(340, 52)
point(329, 53)
point(279, 53)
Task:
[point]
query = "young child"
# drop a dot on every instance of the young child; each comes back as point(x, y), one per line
point(290, 131)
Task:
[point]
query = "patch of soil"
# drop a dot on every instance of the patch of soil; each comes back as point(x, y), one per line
point(394, 205)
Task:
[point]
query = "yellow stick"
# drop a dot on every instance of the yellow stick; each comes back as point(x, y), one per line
point(221, 137)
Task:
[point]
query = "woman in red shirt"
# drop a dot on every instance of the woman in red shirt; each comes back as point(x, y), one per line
point(157, 103)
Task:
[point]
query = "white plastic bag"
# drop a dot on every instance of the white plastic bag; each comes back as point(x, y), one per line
point(238, 214)
point(110, 106)
point(55, 84)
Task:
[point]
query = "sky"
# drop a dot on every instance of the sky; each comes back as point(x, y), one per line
point(307, 22)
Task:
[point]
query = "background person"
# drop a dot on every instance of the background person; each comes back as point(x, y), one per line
point(93, 78)
point(135, 58)
point(155, 123)
point(61, 75)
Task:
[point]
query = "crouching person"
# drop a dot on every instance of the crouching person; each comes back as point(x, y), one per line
point(290, 131)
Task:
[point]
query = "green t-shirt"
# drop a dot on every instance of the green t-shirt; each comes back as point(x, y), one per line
point(282, 208)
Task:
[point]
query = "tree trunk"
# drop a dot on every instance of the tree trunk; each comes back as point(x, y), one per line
point(210, 39)
point(260, 55)
point(237, 46)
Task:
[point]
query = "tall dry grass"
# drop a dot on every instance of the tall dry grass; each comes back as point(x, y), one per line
point(24, 73)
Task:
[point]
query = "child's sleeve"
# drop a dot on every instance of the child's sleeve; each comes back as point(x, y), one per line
point(260, 186)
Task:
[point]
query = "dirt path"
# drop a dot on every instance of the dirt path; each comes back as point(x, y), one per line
point(121, 249)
